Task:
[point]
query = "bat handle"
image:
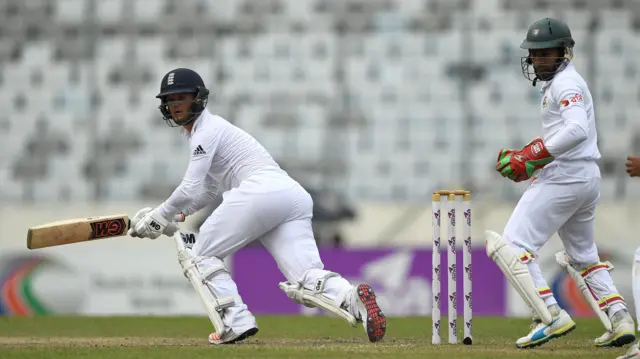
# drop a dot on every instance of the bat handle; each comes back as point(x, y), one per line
point(180, 217)
point(177, 237)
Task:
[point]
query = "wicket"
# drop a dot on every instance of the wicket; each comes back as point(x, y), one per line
point(450, 209)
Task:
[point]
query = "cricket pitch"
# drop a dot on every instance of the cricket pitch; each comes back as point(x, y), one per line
point(279, 337)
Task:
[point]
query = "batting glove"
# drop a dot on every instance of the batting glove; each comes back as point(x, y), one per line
point(136, 218)
point(151, 225)
point(169, 230)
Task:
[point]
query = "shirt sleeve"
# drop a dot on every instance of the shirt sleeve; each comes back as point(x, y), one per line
point(204, 199)
point(576, 124)
point(203, 148)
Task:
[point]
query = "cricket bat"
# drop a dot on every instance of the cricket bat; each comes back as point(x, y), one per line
point(80, 230)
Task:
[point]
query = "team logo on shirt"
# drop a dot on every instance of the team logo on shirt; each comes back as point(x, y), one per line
point(544, 102)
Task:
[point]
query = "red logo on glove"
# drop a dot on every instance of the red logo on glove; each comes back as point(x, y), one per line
point(536, 148)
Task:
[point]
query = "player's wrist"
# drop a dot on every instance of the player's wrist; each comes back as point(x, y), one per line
point(162, 214)
point(537, 151)
point(168, 212)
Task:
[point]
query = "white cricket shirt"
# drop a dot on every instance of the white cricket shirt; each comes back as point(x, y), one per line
point(222, 156)
point(569, 126)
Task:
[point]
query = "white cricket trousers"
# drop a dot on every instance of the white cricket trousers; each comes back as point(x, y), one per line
point(566, 206)
point(278, 213)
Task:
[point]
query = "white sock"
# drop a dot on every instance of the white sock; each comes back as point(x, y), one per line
point(601, 283)
point(541, 283)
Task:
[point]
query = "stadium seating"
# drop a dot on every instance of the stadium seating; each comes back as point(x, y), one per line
point(383, 100)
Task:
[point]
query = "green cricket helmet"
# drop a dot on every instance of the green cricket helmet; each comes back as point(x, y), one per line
point(547, 34)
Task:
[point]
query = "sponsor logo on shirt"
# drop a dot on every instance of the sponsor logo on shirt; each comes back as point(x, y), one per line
point(575, 99)
point(199, 151)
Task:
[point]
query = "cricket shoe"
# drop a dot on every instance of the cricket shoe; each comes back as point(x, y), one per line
point(632, 353)
point(369, 313)
point(623, 331)
point(231, 337)
point(541, 333)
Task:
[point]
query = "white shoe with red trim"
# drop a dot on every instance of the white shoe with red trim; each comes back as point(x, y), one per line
point(369, 313)
point(231, 337)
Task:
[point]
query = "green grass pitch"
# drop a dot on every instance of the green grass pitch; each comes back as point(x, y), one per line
point(279, 337)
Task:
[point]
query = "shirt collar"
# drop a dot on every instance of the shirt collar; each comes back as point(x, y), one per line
point(196, 124)
point(546, 84)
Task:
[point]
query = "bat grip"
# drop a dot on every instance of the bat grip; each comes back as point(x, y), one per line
point(180, 217)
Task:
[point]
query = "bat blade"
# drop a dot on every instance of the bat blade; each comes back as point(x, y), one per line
point(77, 230)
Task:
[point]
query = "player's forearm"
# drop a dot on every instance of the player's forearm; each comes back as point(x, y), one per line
point(571, 135)
point(201, 201)
point(181, 198)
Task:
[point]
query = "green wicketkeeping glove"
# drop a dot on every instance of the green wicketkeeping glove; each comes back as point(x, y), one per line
point(521, 165)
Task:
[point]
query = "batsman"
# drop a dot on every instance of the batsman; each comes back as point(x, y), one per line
point(260, 202)
point(562, 197)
